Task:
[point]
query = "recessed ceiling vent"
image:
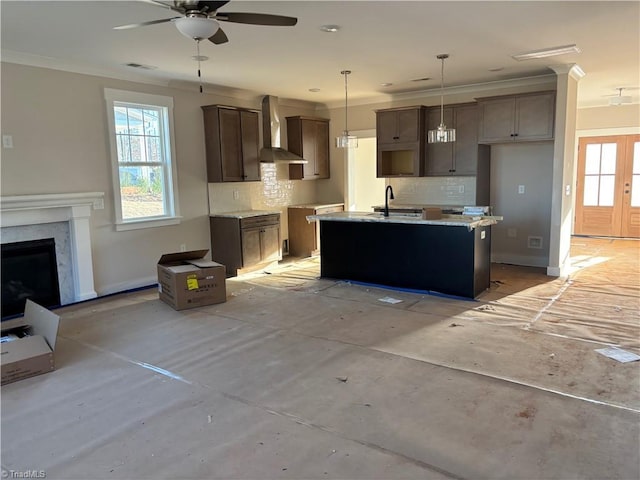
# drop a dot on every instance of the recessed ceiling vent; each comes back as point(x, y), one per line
point(140, 66)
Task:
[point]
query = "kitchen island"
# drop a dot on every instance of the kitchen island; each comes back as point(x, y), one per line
point(451, 255)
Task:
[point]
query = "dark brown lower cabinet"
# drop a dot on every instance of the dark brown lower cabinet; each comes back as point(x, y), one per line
point(245, 244)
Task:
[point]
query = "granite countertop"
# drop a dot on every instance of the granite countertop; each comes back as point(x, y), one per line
point(317, 205)
point(245, 213)
point(410, 206)
point(446, 220)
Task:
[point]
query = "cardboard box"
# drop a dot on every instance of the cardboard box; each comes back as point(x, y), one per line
point(431, 213)
point(31, 355)
point(187, 280)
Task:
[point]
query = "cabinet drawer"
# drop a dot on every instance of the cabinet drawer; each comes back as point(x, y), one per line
point(322, 210)
point(260, 221)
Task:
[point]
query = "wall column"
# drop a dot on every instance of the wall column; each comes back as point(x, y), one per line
point(562, 199)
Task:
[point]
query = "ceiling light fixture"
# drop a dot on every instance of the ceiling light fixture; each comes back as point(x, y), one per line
point(197, 26)
point(620, 99)
point(442, 134)
point(345, 140)
point(547, 52)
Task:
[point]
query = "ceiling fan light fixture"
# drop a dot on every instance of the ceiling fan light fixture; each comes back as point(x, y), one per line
point(346, 140)
point(197, 28)
point(442, 134)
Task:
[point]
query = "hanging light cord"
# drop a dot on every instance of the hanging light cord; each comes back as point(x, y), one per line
point(442, 91)
point(345, 73)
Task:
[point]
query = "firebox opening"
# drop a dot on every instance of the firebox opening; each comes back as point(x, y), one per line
point(29, 270)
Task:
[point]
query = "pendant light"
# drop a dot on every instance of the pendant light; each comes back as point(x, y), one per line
point(442, 134)
point(345, 140)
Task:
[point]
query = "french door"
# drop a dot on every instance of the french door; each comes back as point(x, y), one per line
point(608, 186)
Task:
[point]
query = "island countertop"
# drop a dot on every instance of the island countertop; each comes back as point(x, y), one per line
point(245, 213)
point(468, 221)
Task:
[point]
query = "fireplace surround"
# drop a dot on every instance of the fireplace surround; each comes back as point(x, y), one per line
point(32, 217)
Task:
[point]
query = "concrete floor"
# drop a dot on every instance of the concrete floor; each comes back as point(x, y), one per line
point(307, 378)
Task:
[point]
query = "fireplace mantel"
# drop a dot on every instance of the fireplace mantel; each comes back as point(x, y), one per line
point(74, 208)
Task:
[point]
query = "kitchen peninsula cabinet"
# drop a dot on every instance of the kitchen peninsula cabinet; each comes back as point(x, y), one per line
point(245, 241)
point(400, 134)
point(308, 137)
point(516, 118)
point(304, 236)
point(231, 143)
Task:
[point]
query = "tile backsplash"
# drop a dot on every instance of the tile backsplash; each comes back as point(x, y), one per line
point(434, 190)
point(274, 192)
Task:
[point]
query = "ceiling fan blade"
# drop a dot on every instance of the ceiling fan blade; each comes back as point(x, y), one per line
point(219, 37)
point(143, 24)
point(257, 19)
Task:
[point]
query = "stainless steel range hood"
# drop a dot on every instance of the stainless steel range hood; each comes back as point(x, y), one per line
point(272, 152)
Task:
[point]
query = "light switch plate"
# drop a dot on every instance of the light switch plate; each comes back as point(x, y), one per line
point(7, 141)
point(520, 189)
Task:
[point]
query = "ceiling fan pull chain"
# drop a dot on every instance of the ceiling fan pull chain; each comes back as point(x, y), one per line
point(198, 57)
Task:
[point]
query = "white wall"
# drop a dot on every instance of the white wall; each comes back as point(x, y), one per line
point(525, 214)
point(58, 123)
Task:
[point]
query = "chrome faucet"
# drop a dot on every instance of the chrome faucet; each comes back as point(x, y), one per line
point(387, 191)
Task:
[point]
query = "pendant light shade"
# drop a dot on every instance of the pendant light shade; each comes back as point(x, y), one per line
point(442, 134)
point(345, 140)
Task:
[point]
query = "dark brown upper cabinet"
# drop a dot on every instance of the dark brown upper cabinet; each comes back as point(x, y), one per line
point(461, 156)
point(232, 143)
point(516, 118)
point(308, 137)
point(400, 134)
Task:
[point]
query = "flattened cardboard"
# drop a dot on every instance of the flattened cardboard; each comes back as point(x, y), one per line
point(187, 280)
point(33, 355)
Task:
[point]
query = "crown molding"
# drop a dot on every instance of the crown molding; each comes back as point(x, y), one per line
point(475, 88)
point(10, 56)
point(571, 69)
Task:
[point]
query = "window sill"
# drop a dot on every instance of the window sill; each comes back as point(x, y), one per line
point(147, 223)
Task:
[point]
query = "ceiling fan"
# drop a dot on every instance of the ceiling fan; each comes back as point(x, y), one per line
point(199, 19)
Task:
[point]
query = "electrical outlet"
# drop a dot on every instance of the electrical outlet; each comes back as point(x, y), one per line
point(512, 232)
point(183, 247)
point(7, 141)
point(461, 189)
point(567, 190)
point(520, 189)
point(236, 194)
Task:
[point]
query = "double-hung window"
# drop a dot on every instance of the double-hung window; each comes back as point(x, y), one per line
point(142, 158)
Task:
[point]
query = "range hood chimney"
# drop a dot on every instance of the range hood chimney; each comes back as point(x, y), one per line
point(272, 152)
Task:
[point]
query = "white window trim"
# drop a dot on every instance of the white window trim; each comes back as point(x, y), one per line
point(111, 96)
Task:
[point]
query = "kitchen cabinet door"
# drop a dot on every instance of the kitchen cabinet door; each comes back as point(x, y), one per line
point(517, 118)
point(232, 144)
point(308, 137)
point(439, 155)
point(250, 128)
point(270, 244)
point(534, 116)
point(466, 144)
point(251, 252)
point(399, 125)
point(459, 157)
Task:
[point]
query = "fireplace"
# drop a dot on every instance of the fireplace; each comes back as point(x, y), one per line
point(29, 271)
point(64, 217)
